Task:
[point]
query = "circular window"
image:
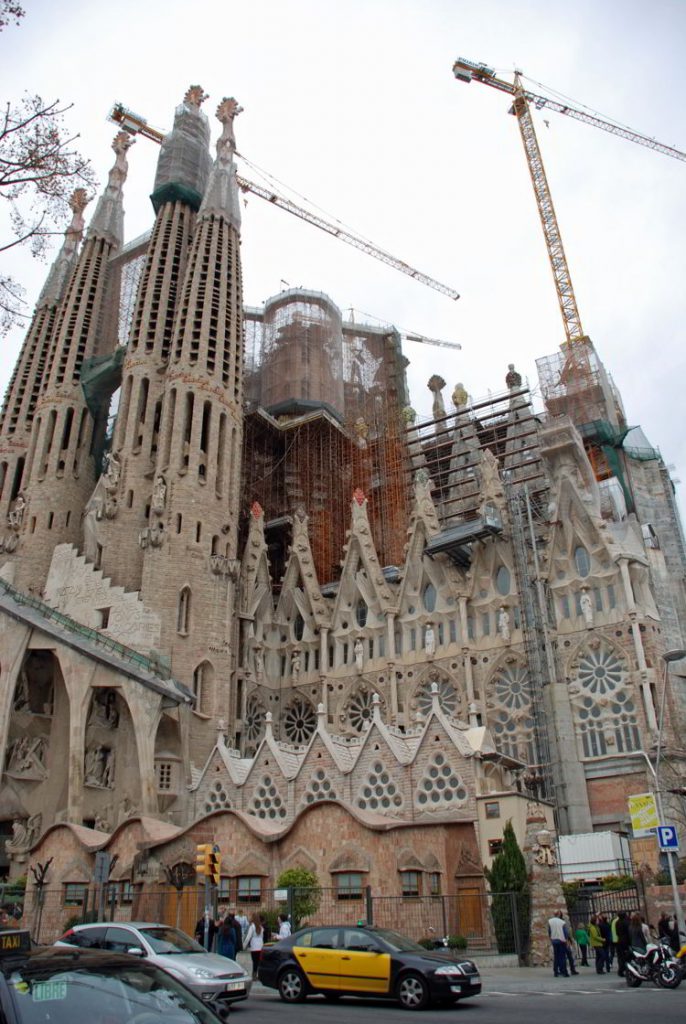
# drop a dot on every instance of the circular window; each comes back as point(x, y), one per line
point(299, 721)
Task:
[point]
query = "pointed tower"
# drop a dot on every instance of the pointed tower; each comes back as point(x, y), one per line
point(29, 375)
point(65, 439)
point(182, 172)
point(191, 538)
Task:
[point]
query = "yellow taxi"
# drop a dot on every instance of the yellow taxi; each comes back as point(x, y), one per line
point(365, 961)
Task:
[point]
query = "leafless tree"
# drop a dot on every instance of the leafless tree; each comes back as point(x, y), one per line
point(39, 169)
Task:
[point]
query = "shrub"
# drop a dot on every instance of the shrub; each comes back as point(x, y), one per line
point(508, 876)
point(307, 893)
point(457, 942)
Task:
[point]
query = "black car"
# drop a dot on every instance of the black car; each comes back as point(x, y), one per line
point(72, 986)
point(365, 961)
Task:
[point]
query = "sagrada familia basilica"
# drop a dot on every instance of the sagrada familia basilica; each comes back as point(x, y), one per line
point(243, 590)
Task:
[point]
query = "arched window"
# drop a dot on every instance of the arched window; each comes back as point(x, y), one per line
point(503, 580)
point(429, 597)
point(512, 718)
point(604, 709)
point(361, 612)
point(203, 677)
point(183, 618)
point(298, 627)
point(582, 560)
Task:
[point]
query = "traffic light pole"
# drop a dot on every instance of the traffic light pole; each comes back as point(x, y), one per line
point(208, 904)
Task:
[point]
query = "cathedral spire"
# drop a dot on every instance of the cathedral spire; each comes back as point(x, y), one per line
point(56, 281)
point(221, 198)
point(184, 163)
point(108, 219)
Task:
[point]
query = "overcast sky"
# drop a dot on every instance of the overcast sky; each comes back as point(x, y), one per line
point(355, 106)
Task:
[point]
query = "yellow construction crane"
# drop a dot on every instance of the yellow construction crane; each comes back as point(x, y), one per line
point(468, 71)
point(135, 124)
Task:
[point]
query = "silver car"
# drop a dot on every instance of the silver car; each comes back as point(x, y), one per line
point(211, 977)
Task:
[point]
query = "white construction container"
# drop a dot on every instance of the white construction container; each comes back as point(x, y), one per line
point(590, 856)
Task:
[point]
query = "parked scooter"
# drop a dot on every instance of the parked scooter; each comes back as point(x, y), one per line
point(658, 964)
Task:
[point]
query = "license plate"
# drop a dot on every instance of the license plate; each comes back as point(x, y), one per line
point(235, 986)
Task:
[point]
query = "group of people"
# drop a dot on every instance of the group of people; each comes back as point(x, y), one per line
point(231, 933)
point(607, 939)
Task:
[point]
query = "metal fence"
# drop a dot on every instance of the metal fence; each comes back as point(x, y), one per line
point(478, 922)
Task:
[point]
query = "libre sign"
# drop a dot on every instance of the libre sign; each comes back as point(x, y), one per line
point(643, 813)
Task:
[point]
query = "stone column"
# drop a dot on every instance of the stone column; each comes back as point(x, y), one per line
point(545, 884)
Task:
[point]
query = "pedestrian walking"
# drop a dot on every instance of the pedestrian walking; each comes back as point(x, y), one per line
point(254, 941)
point(638, 939)
point(557, 930)
point(226, 937)
point(581, 936)
point(606, 932)
point(284, 927)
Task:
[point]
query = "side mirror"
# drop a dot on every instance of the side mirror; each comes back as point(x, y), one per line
point(136, 951)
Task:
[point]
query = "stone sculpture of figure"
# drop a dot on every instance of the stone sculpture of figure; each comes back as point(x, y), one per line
point(586, 605)
point(429, 641)
point(504, 623)
point(295, 666)
point(491, 485)
point(101, 824)
point(359, 655)
point(92, 514)
point(259, 664)
point(361, 432)
point(16, 514)
point(112, 471)
point(92, 766)
point(20, 837)
point(159, 495)
point(104, 711)
point(27, 755)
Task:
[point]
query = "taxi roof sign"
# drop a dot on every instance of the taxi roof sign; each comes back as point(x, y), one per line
point(14, 940)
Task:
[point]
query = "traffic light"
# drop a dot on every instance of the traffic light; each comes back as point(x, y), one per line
point(203, 859)
point(215, 865)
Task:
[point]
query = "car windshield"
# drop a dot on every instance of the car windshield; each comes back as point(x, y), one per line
point(117, 994)
point(170, 940)
point(399, 943)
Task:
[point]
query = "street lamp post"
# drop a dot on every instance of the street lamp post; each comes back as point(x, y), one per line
point(667, 657)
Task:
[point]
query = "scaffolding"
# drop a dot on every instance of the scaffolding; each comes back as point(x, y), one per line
point(324, 404)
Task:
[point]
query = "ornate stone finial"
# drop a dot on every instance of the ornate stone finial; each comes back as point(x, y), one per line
point(460, 398)
point(256, 510)
point(78, 202)
point(359, 496)
point(227, 111)
point(195, 96)
point(408, 415)
point(513, 380)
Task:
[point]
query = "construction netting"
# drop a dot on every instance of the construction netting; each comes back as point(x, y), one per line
point(184, 162)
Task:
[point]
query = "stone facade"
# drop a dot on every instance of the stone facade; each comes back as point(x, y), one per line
point(487, 626)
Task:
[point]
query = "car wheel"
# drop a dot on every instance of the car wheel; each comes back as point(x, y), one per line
point(412, 992)
point(292, 986)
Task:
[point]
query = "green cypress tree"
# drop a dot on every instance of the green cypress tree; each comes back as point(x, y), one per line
point(510, 895)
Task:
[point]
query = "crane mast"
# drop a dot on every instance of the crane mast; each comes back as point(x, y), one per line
point(546, 210)
point(135, 124)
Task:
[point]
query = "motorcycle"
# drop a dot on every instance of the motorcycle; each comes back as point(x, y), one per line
point(658, 964)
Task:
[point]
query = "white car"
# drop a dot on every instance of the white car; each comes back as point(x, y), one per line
point(210, 976)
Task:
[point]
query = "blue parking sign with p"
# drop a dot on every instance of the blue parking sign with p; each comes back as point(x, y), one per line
point(667, 837)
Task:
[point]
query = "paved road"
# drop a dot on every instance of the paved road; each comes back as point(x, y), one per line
point(517, 996)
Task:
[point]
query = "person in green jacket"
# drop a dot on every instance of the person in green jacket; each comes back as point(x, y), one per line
point(597, 943)
point(581, 936)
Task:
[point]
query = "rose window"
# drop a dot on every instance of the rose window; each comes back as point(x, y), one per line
point(299, 721)
point(217, 798)
point(360, 710)
point(254, 720)
point(441, 787)
point(511, 687)
point(379, 792)
point(600, 670)
point(447, 697)
point(266, 801)
point(605, 713)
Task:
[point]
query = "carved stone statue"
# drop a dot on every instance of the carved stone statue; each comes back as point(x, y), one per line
point(361, 432)
point(359, 654)
point(258, 662)
point(15, 516)
point(504, 623)
point(159, 495)
point(92, 514)
point(101, 824)
point(112, 471)
point(99, 766)
point(491, 484)
point(295, 666)
point(459, 396)
point(104, 710)
point(27, 755)
point(429, 641)
point(586, 604)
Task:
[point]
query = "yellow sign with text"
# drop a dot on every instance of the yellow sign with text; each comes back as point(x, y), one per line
point(643, 813)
